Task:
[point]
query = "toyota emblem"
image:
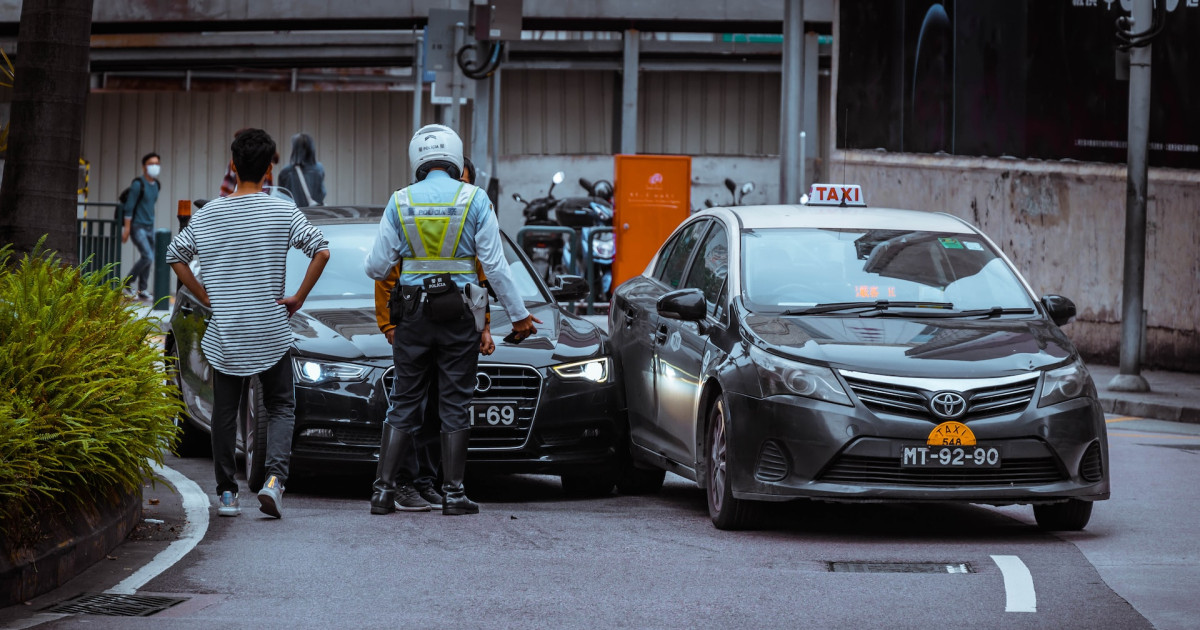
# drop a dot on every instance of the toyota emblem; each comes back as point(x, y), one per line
point(483, 382)
point(948, 405)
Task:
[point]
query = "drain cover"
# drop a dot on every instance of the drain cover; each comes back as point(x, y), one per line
point(900, 567)
point(115, 605)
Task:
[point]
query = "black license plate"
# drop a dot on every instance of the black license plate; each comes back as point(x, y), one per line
point(926, 456)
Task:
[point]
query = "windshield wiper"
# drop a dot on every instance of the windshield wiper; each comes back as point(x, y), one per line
point(994, 311)
point(878, 305)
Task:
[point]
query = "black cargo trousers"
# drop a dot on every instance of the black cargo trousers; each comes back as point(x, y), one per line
point(452, 349)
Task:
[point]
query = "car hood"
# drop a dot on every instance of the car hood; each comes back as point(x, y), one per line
point(940, 348)
point(346, 329)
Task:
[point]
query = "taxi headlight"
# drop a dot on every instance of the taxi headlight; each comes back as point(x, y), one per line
point(781, 376)
point(313, 372)
point(1066, 383)
point(594, 370)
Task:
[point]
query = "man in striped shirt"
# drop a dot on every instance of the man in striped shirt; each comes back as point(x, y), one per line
point(242, 242)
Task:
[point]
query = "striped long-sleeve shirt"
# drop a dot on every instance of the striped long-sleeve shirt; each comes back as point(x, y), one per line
point(242, 243)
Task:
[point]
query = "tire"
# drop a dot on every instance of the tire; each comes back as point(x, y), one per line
point(193, 441)
point(1071, 516)
point(255, 436)
point(589, 486)
point(636, 480)
point(726, 511)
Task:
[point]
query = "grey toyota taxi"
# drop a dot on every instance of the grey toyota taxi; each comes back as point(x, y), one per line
point(840, 352)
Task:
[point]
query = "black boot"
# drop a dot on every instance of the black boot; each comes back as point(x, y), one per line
point(394, 444)
point(454, 464)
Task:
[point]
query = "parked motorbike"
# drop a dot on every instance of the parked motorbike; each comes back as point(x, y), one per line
point(545, 249)
point(585, 215)
point(734, 189)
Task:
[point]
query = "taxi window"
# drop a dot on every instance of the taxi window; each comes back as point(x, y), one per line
point(710, 266)
point(671, 266)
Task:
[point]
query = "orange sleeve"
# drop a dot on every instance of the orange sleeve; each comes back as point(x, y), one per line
point(383, 290)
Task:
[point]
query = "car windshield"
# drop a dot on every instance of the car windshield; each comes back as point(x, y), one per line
point(794, 268)
point(344, 275)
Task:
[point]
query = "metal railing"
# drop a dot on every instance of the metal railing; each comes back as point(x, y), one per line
point(100, 239)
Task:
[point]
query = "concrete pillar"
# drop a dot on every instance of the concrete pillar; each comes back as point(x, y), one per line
point(792, 108)
point(481, 118)
point(629, 93)
point(418, 83)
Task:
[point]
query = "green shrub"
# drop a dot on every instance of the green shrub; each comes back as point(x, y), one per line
point(84, 406)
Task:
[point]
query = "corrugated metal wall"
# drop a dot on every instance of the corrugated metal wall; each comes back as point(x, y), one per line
point(556, 112)
point(709, 113)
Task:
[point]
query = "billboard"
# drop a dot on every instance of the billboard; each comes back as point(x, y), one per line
point(1023, 78)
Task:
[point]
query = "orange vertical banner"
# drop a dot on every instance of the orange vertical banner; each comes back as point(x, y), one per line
point(653, 196)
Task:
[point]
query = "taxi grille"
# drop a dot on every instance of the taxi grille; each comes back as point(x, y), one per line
point(912, 402)
point(516, 385)
point(858, 469)
point(1092, 468)
point(773, 464)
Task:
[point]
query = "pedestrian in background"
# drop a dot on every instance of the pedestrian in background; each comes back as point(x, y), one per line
point(229, 182)
point(418, 470)
point(243, 240)
point(304, 177)
point(138, 213)
point(438, 227)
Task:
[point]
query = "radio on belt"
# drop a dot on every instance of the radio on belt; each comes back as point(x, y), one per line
point(835, 195)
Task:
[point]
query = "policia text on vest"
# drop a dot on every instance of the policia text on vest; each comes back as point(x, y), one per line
point(438, 227)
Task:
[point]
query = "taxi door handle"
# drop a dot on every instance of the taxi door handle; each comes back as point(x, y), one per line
point(186, 309)
point(660, 337)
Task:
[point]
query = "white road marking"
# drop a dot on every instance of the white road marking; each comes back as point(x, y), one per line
point(195, 506)
point(1018, 584)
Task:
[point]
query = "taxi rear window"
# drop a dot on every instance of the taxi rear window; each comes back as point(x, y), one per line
point(798, 267)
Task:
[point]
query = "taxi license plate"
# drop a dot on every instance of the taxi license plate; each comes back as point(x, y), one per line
point(494, 413)
point(950, 445)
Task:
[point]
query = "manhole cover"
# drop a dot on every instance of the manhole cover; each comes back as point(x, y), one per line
point(900, 567)
point(115, 605)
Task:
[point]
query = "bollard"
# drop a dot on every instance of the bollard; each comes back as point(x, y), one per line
point(162, 273)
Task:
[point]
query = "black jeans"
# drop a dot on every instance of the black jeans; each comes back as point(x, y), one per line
point(449, 350)
point(279, 398)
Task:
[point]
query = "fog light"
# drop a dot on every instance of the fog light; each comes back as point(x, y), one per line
point(317, 433)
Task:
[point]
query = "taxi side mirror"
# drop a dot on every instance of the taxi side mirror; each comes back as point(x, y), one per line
point(569, 288)
point(685, 304)
point(1060, 309)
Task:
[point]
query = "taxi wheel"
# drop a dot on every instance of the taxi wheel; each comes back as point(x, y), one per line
point(1071, 516)
point(255, 437)
point(727, 512)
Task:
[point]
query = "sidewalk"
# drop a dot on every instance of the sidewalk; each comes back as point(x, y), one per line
point(1173, 396)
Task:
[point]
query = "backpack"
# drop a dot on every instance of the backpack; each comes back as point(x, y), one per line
point(124, 196)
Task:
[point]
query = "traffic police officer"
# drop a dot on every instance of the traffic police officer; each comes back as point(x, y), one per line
point(438, 227)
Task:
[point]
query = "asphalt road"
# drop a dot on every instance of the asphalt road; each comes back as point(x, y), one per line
point(535, 559)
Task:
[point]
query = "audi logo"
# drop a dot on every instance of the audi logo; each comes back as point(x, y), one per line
point(483, 382)
point(948, 405)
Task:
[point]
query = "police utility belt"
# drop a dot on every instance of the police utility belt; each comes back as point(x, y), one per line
point(441, 300)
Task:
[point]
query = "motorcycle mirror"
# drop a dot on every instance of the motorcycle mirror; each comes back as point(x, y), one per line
point(518, 198)
point(586, 185)
point(708, 203)
point(559, 177)
point(730, 185)
point(747, 188)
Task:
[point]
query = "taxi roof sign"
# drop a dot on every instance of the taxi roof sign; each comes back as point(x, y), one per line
point(836, 195)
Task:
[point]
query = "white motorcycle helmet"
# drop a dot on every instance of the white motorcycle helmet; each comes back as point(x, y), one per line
point(435, 146)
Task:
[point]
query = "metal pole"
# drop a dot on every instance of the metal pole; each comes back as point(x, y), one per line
point(629, 92)
point(452, 119)
point(1132, 325)
point(480, 117)
point(793, 106)
point(162, 272)
point(494, 145)
point(418, 83)
point(801, 185)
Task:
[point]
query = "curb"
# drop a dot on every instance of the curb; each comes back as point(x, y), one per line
point(69, 546)
point(1145, 409)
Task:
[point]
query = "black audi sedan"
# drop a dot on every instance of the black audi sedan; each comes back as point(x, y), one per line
point(837, 352)
point(548, 405)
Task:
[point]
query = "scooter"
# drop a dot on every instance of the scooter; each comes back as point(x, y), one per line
point(545, 249)
point(734, 189)
point(585, 214)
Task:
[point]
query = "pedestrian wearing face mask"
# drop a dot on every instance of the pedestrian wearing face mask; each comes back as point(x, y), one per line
point(138, 214)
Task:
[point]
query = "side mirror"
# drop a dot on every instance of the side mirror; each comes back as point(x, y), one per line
point(730, 185)
point(569, 288)
point(685, 304)
point(747, 188)
point(558, 177)
point(1061, 309)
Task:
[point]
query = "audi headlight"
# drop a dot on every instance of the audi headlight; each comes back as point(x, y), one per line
point(313, 372)
point(781, 376)
point(594, 370)
point(1066, 383)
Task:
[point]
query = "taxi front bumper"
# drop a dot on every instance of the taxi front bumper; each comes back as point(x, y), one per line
point(789, 447)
